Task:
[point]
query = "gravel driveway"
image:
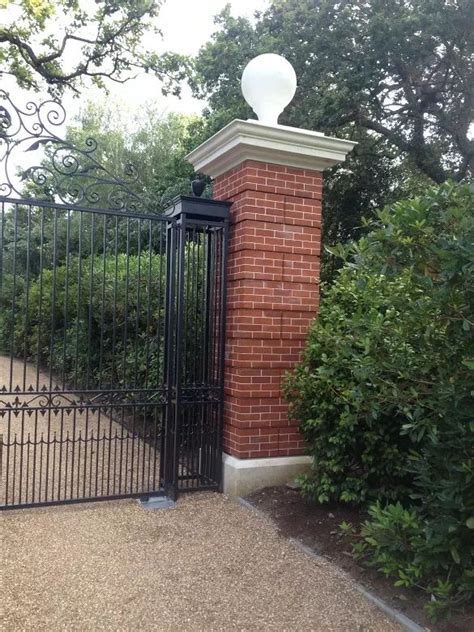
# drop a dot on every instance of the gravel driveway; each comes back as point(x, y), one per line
point(63, 451)
point(208, 564)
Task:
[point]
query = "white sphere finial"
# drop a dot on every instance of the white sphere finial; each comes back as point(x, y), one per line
point(268, 85)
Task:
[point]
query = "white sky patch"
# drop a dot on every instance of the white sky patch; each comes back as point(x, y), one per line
point(186, 25)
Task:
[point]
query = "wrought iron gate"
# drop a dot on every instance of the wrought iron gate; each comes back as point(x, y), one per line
point(112, 320)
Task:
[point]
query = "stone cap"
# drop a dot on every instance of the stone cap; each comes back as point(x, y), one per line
point(278, 144)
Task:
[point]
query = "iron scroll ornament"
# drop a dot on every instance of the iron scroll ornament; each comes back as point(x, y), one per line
point(72, 175)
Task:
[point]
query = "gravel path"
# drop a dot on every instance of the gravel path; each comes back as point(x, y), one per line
point(63, 451)
point(206, 565)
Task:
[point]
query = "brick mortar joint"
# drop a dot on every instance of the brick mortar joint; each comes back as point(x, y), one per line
point(246, 188)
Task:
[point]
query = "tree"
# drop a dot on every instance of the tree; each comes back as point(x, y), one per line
point(153, 144)
point(99, 41)
point(107, 144)
point(401, 70)
point(348, 57)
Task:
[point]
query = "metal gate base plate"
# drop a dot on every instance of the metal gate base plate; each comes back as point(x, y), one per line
point(157, 502)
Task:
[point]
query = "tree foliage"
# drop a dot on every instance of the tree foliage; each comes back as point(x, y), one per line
point(384, 360)
point(99, 319)
point(153, 145)
point(401, 70)
point(60, 43)
point(395, 76)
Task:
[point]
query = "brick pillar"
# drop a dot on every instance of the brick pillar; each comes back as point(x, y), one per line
point(273, 289)
point(273, 176)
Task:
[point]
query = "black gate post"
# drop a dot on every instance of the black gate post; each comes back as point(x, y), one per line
point(222, 337)
point(171, 486)
point(193, 443)
point(168, 455)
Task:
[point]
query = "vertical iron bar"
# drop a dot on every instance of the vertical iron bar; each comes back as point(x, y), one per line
point(14, 295)
point(134, 439)
point(78, 482)
point(66, 463)
point(109, 454)
point(22, 438)
point(148, 306)
point(138, 295)
point(91, 308)
point(51, 350)
point(14, 469)
point(27, 292)
point(78, 313)
point(66, 300)
point(222, 337)
point(114, 371)
point(121, 452)
point(53, 301)
point(115, 464)
point(41, 442)
point(40, 306)
point(54, 465)
point(102, 302)
point(61, 434)
point(27, 495)
point(86, 434)
point(167, 448)
point(178, 372)
point(103, 440)
point(7, 474)
point(73, 450)
point(125, 322)
point(99, 413)
point(91, 460)
point(35, 444)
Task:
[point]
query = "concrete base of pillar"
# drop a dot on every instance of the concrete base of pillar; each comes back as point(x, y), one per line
point(243, 476)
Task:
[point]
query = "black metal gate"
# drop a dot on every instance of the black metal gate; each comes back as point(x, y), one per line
point(112, 320)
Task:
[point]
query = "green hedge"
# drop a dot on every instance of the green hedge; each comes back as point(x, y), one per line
point(384, 391)
point(100, 321)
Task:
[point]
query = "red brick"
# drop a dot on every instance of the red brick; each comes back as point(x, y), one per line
point(273, 295)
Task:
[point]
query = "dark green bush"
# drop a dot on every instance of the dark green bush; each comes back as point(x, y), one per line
point(385, 391)
point(80, 334)
point(104, 322)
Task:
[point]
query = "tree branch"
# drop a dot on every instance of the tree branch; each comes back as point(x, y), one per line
point(104, 43)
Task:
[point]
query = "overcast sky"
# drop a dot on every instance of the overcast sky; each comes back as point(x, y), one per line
point(186, 26)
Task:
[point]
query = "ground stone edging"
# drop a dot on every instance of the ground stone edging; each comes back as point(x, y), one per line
point(398, 616)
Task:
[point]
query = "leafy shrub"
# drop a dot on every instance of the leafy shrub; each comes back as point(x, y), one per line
point(419, 551)
point(385, 357)
point(99, 321)
point(69, 328)
point(385, 390)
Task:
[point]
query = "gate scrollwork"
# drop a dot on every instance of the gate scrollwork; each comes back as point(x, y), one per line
point(67, 174)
